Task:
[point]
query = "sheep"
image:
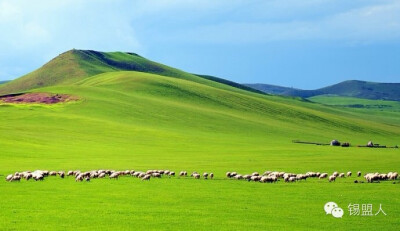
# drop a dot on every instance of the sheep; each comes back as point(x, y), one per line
point(102, 175)
point(16, 178)
point(53, 173)
point(38, 176)
point(255, 178)
point(358, 173)
point(211, 176)
point(393, 176)
point(28, 176)
point(323, 175)
point(341, 175)
point(171, 173)
point(196, 176)
point(233, 174)
point(61, 174)
point(269, 179)
point(205, 175)
point(292, 179)
point(87, 179)
point(182, 173)
point(146, 177)
point(79, 177)
point(114, 175)
point(371, 177)
point(348, 174)
point(332, 178)
point(238, 177)
point(336, 174)
point(255, 174)
point(156, 174)
point(228, 174)
point(9, 177)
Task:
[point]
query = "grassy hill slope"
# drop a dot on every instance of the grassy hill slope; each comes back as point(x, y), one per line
point(75, 65)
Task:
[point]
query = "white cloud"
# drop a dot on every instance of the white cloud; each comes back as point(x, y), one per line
point(42, 29)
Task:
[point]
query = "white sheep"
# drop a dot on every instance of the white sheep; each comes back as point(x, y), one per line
point(205, 175)
point(9, 177)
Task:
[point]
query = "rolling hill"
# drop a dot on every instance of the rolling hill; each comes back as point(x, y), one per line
point(351, 88)
point(133, 113)
point(75, 65)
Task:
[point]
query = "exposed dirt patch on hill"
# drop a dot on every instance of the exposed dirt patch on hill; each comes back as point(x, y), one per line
point(37, 97)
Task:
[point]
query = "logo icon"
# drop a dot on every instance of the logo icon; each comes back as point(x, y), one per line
point(329, 207)
point(334, 209)
point(337, 212)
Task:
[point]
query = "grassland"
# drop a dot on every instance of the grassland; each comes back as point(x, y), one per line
point(134, 120)
point(169, 119)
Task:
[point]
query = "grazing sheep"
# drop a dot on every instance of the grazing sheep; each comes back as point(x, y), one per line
point(38, 176)
point(156, 174)
point(394, 176)
point(102, 175)
point(114, 175)
point(205, 175)
point(292, 179)
point(336, 174)
point(332, 178)
point(228, 174)
point(79, 177)
point(171, 174)
point(16, 178)
point(358, 173)
point(255, 178)
point(238, 177)
point(196, 176)
point(211, 176)
point(146, 177)
point(61, 174)
point(28, 176)
point(87, 179)
point(371, 177)
point(53, 173)
point(9, 177)
point(255, 174)
point(348, 174)
point(182, 173)
point(341, 175)
point(233, 174)
point(323, 175)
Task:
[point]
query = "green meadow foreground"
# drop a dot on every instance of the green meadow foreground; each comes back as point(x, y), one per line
point(135, 120)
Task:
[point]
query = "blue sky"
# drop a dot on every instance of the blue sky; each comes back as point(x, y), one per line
point(304, 44)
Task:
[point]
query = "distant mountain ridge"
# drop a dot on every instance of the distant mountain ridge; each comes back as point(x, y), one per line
point(350, 88)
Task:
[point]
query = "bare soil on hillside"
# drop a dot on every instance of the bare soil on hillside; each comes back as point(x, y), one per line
point(37, 97)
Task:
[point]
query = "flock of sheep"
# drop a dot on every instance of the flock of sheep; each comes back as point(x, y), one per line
point(39, 175)
point(272, 177)
point(268, 176)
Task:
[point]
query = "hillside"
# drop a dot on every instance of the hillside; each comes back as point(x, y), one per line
point(140, 120)
point(3, 82)
point(351, 88)
point(75, 65)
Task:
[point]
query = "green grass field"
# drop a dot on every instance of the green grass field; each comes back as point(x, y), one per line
point(134, 120)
